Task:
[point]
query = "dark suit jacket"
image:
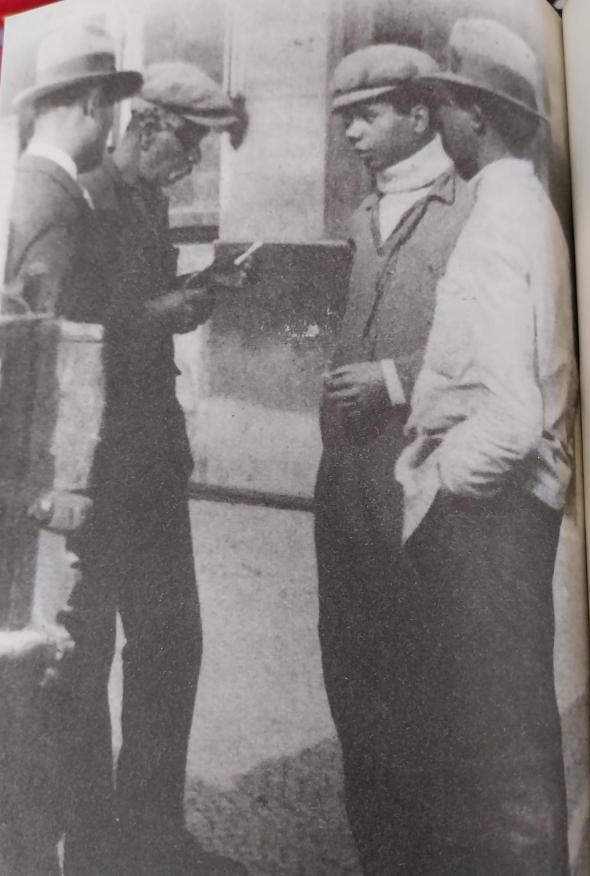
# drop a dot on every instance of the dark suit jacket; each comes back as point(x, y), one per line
point(52, 246)
point(143, 438)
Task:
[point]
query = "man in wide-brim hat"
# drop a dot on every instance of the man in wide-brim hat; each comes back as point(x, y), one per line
point(485, 478)
point(137, 550)
point(54, 266)
point(493, 68)
point(78, 55)
point(70, 110)
point(403, 234)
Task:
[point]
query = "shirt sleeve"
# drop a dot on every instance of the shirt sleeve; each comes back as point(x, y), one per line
point(489, 312)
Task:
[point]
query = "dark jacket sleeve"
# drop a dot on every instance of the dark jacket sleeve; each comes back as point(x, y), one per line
point(51, 260)
point(43, 271)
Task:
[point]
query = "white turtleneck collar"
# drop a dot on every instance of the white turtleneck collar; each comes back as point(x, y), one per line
point(404, 184)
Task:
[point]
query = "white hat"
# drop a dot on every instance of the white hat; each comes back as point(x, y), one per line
point(489, 57)
point(81, 53)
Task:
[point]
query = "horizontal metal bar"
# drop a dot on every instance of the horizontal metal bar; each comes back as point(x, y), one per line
point(243, 496)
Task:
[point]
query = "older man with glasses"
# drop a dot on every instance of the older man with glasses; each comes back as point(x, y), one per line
point(136, 553)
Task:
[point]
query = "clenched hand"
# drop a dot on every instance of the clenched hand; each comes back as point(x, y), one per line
point(357, 388)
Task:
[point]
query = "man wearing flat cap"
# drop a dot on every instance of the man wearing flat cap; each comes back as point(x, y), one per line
point(485, 478)
point(402, 235)
point(136, 550)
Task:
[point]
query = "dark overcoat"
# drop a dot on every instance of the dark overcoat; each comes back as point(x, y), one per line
point(55, 264)
point(137, 551)
point(144, 433)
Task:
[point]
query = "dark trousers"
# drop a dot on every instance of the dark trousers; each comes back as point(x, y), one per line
point(439, 673)
point(137, 559)
point(362, 621)
point(494, 790)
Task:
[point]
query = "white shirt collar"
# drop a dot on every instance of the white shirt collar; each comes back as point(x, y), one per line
point(44, 150)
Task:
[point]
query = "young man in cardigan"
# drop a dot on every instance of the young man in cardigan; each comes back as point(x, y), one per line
point(403, 235)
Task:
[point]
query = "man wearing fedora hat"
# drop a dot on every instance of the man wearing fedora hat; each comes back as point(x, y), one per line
point(485, 477)
point(54, 263)
point(70, 107)
point(402, 236)
point(136, 552)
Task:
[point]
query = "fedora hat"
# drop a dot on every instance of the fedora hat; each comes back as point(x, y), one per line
point(485, 55)
point(377, 70)
point(187, 91)
point(82, 53)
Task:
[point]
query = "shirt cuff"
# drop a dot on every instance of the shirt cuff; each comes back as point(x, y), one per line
point(392, 382)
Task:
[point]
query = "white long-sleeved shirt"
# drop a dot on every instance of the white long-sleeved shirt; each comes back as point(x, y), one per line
point(495, 398)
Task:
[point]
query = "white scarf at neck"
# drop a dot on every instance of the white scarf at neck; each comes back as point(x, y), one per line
point(404, 184)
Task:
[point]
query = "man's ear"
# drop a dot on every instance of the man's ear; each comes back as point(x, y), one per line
point(477, 119)
point(94, 100)
point(421, 118)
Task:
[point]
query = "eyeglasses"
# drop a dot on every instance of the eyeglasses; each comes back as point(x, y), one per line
point(189, 136)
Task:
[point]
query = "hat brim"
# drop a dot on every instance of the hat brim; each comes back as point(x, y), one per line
point(120, 84)
point(463, 81)
point(218, 120)
point(341, 101)
point(215, 122)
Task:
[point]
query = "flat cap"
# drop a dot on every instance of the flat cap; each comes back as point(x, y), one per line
point(487, 56)
point(376, 70)
point(187, 91)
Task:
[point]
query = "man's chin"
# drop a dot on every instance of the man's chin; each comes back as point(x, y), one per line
point(367, 160)
point(466, 167)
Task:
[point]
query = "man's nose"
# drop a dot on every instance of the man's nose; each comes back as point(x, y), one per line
point(354, 130)
point(195, 154)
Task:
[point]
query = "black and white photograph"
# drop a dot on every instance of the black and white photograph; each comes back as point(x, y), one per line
point(292, 538)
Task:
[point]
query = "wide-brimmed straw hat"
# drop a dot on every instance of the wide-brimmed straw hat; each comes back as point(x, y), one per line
point(487, 56)
point(187, 91)
point(74, 55)
point(377, 70)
